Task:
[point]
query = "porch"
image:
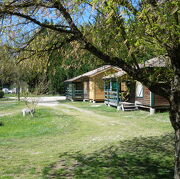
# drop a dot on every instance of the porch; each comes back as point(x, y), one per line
point(119, 95)
point(74, 94)
point(77, 91)
point(74, 91)
point(111, 98)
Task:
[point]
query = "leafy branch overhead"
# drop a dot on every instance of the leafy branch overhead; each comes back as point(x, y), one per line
point(121, 32)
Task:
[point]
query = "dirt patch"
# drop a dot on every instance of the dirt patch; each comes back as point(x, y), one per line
point(102, 120)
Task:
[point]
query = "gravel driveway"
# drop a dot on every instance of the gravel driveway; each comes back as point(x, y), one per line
point(44, 101)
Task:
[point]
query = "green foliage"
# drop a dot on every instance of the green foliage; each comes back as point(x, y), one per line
point(159, 23)
point(68, 64)
point(54, 65)
point(132, 32)
point(1, 94)
point(1, 123)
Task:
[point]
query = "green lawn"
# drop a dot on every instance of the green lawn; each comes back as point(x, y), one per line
point(10, 106)
point(84, 140)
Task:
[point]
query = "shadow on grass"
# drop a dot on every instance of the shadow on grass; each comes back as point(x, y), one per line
point(140, 158)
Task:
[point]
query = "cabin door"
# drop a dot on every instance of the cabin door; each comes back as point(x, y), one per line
point(132, 92)
point(86, 89)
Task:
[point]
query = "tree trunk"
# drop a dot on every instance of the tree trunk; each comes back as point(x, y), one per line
point(174, 100)
point(175, 120)
point(177, 154)
point(174, 116)
point(18, 91)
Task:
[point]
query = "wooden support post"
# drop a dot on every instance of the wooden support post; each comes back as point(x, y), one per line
point(108, 95)
point(122, 107)
point(117, 92)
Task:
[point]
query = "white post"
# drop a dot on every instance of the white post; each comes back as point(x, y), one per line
point(152, 111)
point(118, 107)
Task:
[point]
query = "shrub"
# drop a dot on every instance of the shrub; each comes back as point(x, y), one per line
point(1, 94)
point(1, 123)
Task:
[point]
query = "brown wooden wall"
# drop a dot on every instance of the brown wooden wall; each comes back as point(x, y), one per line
point(91, 88)
point(86, 89)
point(145, 100)
point(160, 101)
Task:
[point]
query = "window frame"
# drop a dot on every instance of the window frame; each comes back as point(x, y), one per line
point(141, 92)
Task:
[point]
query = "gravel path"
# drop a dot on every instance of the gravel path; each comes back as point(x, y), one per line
point(50, 101)
point(5, 114)
point(42, 99)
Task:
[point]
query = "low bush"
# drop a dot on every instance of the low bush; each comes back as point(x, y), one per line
point(1, 94)
point(1, 123)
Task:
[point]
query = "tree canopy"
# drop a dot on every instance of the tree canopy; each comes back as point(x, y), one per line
point(121, 33)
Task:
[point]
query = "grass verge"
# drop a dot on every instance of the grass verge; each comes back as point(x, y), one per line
point(87, 142)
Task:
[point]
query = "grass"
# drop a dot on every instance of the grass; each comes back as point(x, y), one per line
point(140, 158)
point(85, 140)
point(10, 106)
point(41, 124)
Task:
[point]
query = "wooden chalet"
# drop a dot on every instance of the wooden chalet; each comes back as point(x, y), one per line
point(125, 94)
point(90, 85)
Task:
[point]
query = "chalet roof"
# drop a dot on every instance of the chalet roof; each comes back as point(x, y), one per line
point(154, 62)
point(115, 75)
point(93, 72)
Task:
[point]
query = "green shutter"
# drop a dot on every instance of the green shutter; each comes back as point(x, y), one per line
point(114, 85)
point(152, 99)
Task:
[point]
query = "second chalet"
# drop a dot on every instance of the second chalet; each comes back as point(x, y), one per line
point(90, 85)
point(126, 94)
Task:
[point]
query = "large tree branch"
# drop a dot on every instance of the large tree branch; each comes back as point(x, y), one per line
point(66, 15)
point(55, 46)
point(141, 75)
point(53, 27)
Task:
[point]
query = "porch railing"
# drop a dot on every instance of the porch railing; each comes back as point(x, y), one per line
point(74, 93)
point(112, 96)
